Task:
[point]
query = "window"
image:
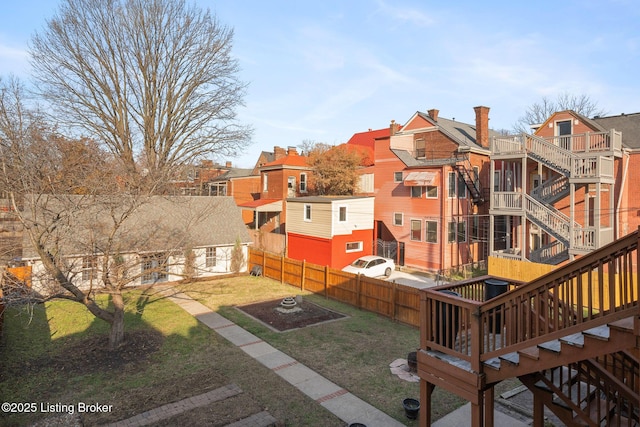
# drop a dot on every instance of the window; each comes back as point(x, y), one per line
point(218, 189)
point(154, 268)
point(452, 184)
point(303, 182)
point(462, 187)
point(416, 192)
point(420, 148)
point(89, 267)
point(432, 192)
point(291, 183)
point(398, 218)
point(451, 235)
point(354, 246)
point(307, 212)
point(343, 214)
point(475, 228)
point(462, 231)
point(416, 230)
point(265, 181)
point(211, 257)
point(397, 177)
point(431, 228)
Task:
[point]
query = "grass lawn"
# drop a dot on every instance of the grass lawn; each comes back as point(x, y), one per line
point(354, 352)
point(56, 355)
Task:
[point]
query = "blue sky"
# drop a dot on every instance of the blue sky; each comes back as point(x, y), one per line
point(323, 71)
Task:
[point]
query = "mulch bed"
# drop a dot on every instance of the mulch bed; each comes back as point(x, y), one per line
point(310, 314)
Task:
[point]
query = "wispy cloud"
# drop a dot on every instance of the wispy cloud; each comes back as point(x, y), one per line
point(405, 14)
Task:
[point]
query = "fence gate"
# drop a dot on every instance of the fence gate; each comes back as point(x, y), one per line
point(391, 249)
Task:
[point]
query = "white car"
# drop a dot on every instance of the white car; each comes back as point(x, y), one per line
point(371, 266)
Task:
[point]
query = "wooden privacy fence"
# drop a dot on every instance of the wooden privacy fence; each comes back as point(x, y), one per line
point(395, 301)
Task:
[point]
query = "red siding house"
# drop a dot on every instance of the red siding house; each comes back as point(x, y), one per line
point(329, 230)
point(431, 183)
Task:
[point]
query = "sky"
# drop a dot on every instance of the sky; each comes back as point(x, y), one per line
point(324, 70)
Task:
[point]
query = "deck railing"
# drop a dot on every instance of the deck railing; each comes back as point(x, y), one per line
point(598, 288)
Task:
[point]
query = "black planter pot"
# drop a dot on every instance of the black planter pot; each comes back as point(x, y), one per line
point(357, 425)
point(411, 408)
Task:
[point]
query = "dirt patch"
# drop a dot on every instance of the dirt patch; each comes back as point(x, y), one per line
point(308, 314)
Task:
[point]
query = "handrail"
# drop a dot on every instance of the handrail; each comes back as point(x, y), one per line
point(597, 288)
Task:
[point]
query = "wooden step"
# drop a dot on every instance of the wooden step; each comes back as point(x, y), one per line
point(575, 340)
point(552, 346)
point(559, 377)
point(599, 332)
point(513, 358)
point(580, 394)
point(532, 353)
point(624, 325)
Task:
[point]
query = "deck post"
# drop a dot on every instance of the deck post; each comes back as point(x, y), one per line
point(489, 400)
point(426, 389)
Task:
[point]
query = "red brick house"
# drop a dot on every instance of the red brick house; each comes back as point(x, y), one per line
point(286, 176)
point(565, 190)
point(329, 230)
point(431, 184)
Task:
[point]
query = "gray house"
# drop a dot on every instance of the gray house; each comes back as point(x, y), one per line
point(149, 240)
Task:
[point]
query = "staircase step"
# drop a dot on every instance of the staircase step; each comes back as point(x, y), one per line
point(625, 325)
point(553, 346)
point(513, 358)
point(580, 395)
point(605, 418)
point(493, 363)
point(531, 352)
point(575, 340)
point(599, 332)
point(559, 377)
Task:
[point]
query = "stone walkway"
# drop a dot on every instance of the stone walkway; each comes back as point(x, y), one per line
point(331, 396)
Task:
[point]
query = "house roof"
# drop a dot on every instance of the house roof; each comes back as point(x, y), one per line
point(234, 173)
point(295, 160)
point(263, 205)
point(157, 224)
point(628, 124)
point(462, 133)
point(367, 139)
point(411, 162)
point(324, 199)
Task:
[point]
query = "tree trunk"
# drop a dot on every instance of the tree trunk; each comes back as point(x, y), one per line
point(116, 335)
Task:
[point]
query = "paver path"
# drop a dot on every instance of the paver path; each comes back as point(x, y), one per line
point(331, 396)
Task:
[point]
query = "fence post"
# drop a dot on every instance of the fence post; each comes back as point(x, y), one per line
point(304, 263)
point(394, 311)
point(358, 291)
point(326, 279)
point(282, 269)
point(264, 263)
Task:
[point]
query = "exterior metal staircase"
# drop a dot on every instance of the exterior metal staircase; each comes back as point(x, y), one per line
point(471, 180)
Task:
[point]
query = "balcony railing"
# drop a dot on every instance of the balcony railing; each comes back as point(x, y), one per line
point(506, 200)
point(589, 142)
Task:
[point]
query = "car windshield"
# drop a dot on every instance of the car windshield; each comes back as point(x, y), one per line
point(360, 263)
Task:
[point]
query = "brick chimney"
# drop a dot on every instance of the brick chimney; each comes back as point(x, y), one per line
point(393, 127)
point(482, 126)
point(292, 151)
point(433, 113)
point(278, 153)
point(228, 164)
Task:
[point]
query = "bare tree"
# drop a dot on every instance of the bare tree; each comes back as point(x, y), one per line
point(540, 111)
point(153, 80)
point(79, 220)
point(334, 169)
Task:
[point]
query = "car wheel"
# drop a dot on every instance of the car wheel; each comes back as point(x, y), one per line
point(387, 272)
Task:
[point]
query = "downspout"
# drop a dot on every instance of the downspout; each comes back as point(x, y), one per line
point(624, 179)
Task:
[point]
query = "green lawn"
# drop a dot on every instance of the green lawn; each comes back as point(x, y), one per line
point(53, 355)
point(354, 352)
